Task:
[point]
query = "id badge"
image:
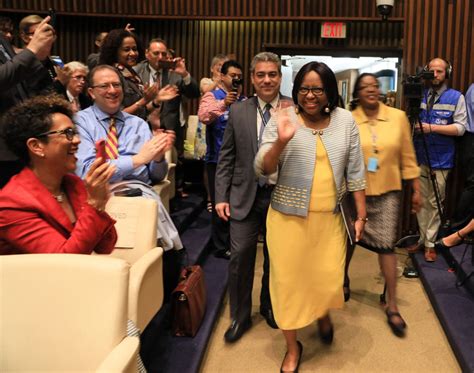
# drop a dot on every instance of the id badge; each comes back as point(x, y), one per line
point(372, 164)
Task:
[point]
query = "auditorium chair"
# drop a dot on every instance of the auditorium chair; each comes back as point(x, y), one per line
point(136, 229)
point(65, 313)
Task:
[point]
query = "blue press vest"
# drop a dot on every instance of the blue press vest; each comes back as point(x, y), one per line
point(215, 131)
point(441, 148)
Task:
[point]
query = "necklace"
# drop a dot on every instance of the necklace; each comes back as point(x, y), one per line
point(59, 197)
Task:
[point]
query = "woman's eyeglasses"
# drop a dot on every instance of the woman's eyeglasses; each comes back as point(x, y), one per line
point(69, 132)
point(368, 86)
point(316, 91)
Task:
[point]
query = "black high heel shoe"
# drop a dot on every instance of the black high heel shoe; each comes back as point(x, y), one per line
point(397, 329)
point(440, 245)
point(347, 293)
point(328, 336)
point(300, 345)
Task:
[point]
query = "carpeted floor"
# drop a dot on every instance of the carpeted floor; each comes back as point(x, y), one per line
point(363, 341)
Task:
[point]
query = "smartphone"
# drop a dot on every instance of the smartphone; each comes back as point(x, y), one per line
point(57, 61)
point(52, 14)
point(100, 149)
point(168, 64)
point(133, 192)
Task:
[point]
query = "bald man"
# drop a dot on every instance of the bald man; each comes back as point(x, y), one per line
point(443, 117)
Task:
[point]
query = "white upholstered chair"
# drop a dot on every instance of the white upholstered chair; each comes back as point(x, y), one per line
point(136, 228)
point(64, 313)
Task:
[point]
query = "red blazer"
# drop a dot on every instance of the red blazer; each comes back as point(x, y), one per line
point(32, 221)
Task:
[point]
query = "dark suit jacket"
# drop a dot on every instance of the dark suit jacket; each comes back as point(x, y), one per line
point(14, 77)
point(170, 109)
point(32, 221)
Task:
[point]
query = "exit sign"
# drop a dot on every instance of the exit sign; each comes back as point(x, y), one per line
point(333, 30)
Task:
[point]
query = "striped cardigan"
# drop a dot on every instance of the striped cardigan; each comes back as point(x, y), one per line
point(296, 165)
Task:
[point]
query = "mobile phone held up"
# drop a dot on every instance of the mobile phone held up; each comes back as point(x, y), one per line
point(167, 64)
point(52, 14)
point(100, 150)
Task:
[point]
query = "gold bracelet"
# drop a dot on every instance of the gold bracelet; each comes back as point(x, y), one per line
point(365, 220)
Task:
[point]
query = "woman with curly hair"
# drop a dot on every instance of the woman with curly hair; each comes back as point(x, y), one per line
point(45, 208)
point(122, 49)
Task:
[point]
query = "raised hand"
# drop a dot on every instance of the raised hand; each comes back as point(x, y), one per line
point(42, 39)
point(167, 93)
point(286, 125)
point(97, 183)
point(150, 92)
point(180, 67)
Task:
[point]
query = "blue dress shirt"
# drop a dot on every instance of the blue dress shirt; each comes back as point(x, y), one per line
point(132, 132)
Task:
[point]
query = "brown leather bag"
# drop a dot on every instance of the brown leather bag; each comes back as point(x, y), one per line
point(188, 302)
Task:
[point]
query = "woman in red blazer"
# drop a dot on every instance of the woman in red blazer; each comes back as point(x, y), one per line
point(45, 208)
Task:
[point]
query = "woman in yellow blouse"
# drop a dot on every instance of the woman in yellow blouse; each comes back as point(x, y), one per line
point(389, 157)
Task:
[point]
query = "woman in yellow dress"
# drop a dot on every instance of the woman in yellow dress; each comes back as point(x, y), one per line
point(389, 158)
point(318, 157)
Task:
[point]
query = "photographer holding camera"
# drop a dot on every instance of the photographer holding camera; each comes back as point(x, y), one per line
point(214, 112)
point(443, 116)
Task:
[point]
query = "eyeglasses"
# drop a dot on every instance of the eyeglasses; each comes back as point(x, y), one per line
point(69, 132)
point(79, 77)
point(364, 87)
point(316, 91)
point(106, 86)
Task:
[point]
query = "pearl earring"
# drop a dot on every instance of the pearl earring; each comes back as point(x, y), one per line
point(327, 110)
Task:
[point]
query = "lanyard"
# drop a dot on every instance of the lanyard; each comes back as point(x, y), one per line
point(373, 136)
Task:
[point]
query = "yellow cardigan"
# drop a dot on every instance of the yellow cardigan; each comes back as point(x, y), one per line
point(396, 155)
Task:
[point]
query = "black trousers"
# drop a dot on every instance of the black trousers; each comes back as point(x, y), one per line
point(465, 208)
point(220, 228)
point(243, 247)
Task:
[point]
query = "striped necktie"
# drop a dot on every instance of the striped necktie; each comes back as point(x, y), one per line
point(111, 146)
point(262, 180)
point(266, 118)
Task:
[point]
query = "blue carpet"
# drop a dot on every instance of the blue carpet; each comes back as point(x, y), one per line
point(196, 238)
point(453, 305)
point(184, 210)
point(160, 351)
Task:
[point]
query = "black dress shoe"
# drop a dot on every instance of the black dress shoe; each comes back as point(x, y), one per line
point(236, 330)
point(267, 314)
point(224, 254)
point(300, 345)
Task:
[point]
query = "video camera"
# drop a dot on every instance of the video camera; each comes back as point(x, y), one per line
point(235, 84)
point(413, 91)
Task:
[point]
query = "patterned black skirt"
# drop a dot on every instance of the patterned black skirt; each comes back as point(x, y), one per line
point(382, 229)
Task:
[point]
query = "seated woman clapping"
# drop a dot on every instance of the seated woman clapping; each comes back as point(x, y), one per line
point(45, 208)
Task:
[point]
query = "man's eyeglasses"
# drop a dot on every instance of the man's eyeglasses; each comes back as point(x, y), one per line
point(69, 132)
point(316, 91)
point(106, 86)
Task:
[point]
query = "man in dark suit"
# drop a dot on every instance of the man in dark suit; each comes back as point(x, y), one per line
point(151, 71)
point(243, 199)
point(15, 72)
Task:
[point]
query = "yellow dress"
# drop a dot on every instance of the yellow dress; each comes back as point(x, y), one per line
point(307, 255)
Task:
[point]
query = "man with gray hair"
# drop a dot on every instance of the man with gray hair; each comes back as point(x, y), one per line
point(243, 199)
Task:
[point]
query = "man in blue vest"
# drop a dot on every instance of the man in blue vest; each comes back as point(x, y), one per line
point(214, 113)
point(443, 117)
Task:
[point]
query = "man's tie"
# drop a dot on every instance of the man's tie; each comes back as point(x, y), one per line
point(157, 78)
point(111, 146)
point(262, 180)
point(266, 118)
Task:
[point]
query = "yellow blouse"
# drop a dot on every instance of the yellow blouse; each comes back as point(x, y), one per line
point(390, 135)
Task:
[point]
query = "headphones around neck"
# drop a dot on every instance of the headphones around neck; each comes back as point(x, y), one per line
point(449, 67)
